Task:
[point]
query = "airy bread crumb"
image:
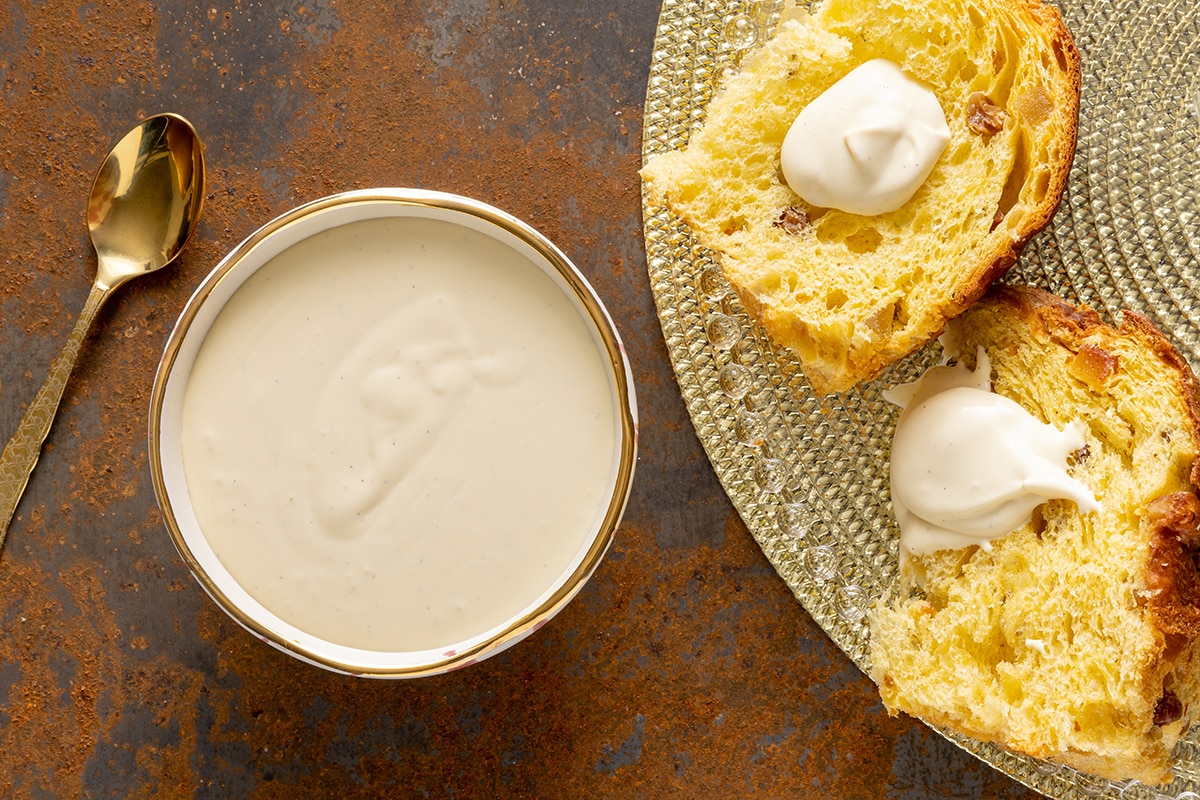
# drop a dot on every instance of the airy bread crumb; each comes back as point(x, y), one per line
point(850, 294)
point(1076, 637)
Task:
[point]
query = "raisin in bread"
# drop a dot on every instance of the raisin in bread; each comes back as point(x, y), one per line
point(849, 294)
point(1075, 638)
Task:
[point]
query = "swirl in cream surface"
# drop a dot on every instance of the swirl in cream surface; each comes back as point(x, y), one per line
point(867, 143)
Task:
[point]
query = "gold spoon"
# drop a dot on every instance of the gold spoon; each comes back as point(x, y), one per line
point(144, 206)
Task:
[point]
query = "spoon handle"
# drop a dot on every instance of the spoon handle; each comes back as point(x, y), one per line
point(22, 451)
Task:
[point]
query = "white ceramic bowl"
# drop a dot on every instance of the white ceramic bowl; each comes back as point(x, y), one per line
point(175, 368)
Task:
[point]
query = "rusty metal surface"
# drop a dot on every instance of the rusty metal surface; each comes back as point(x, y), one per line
point(684, 669)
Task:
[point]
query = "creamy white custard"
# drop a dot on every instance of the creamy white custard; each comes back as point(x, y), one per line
point(969, 466)
point(867, 143)
point(399, 433)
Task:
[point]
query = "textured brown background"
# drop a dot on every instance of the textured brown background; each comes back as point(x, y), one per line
point(684, 669)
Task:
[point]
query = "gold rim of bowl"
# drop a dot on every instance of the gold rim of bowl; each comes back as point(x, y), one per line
point(624, 397)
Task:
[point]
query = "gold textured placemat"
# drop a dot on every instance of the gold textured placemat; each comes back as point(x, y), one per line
point(808, 477)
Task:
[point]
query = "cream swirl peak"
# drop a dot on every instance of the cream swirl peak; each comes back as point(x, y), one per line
point(970, 466)
point(867, 143)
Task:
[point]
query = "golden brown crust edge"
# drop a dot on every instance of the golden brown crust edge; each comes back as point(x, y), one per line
point(998, 258)
point(1169, 678)
point(1171, 522)
point(993, 255)
point(1071, 326)
point(1006, 251)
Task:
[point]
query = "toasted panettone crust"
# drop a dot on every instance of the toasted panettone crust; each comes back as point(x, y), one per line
point(1083, 333)
point(1174, 584)
point(1077, 637)
point(850, 294)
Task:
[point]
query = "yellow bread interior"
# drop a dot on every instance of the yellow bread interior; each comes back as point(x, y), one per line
point(849, 294)
point(1062, 641)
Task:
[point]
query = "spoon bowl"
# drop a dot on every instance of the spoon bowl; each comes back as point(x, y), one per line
point(146, 199)
point(144, 206)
